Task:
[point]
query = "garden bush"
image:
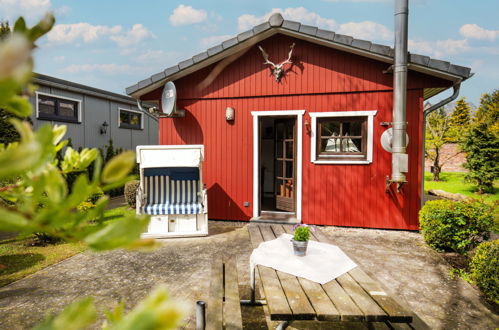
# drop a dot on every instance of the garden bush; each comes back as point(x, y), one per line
point(455, 226)
point(485, 269)
point(131, 191)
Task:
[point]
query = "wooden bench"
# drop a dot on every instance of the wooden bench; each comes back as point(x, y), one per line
point(223, 310)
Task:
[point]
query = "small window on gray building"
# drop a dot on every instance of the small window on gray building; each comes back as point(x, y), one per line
point(130, 119)
point(57, 109)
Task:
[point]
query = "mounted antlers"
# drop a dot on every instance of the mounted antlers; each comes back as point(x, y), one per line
point(277, 69)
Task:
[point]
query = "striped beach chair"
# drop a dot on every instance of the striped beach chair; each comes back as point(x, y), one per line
point(173, 190)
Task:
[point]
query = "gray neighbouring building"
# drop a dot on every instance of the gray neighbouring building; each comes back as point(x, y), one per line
point(93, 116)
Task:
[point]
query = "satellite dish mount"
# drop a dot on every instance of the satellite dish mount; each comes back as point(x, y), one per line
point(169, 102)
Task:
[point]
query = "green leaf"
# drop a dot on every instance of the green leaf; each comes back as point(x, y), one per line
point(118, 233)
point(18, 160)
point(55, 185)
point(79, 315)
point(12, 221)
point(87, 156)
point(59, 132)
point(118, 167)
point(156, 312)
point(20, 25)
point(42, 27)
point(18, 106)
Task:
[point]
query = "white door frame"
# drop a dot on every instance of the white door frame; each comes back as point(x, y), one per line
point(256, 156)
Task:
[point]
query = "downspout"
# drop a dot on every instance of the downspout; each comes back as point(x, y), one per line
point(457, 87)
point(399, 123)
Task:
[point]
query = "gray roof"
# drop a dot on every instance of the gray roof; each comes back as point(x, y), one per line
point(277, 24)
point(42, 79)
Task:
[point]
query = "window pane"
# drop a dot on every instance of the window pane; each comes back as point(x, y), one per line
point(67, 108)
point(330, 128)
point(46, 106)
point(351, 145)
point(135, 119)
point(278, 151)
point(279, 128)
point(289, 169)
point(353, 128)
point(289, 150)
point(124, 117)
point(330, 145)
point(278, 168)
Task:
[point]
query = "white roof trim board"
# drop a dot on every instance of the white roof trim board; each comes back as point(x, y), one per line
point(277, 24)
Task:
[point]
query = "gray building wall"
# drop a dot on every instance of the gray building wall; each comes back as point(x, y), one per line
point(97, 107)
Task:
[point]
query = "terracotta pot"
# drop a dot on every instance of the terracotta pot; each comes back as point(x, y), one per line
point(300, 248)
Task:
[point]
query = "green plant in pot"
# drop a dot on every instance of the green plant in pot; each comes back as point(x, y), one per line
point(300, 239)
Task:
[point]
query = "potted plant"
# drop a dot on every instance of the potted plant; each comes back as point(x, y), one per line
point(300, 239)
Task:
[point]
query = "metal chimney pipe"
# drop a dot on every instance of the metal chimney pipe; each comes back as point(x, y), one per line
point(399, 124)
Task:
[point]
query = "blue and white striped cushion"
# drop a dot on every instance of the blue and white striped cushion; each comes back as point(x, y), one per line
point(168, 196)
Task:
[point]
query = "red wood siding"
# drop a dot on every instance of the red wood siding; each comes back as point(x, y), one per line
point(323, 80)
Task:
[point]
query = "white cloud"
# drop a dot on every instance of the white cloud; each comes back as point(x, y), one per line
point(214, 40)
point(69, 33)
point(11, 9)
point(135, 35)
point(110, 68)
point(59, 58)
point(300, 14)
point(184, 15)
point(439, 48)
point(473, 31)
point(366, 30)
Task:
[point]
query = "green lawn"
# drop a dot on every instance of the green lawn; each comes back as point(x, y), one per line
point(19, 258)
point(453, 182)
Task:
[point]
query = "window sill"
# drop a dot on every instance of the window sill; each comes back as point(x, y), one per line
point(342, 162)
point(59, 120)
point(134, 128)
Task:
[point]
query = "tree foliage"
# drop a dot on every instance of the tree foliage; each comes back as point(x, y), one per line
point(437, 134)
point(8, 132)
point(481, 144)
point(38, 199)
point(460, 120)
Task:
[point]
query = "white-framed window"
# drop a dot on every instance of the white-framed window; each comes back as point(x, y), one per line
point(57, 108)
point(342, 137)
point(130, 119)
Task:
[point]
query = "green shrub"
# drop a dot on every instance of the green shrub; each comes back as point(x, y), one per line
point(131, 191)
point(455, 226)
point(302, 233)
point(485, 269)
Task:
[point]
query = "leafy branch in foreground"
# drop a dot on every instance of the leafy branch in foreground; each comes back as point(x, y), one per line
point(35, 197)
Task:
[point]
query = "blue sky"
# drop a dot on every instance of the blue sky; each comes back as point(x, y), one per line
point(114, 44)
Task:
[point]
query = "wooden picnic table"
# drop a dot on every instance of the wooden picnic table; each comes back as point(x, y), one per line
point(353, 296)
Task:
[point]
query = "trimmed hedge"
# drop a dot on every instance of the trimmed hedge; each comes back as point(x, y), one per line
point(485, 269)
point(455, 226)
point(131, 191)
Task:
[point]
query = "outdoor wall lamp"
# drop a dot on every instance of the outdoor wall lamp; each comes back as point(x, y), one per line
point(229, 114)
point(103, 128)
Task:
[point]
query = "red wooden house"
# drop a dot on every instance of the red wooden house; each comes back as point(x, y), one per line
point(306, 148)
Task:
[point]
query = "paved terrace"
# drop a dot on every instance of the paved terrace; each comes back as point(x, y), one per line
point(398, 259)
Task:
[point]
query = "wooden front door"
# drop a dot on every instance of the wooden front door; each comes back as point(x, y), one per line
point(285, 155)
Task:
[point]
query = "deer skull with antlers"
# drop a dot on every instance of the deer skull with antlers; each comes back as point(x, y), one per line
point(277, 69)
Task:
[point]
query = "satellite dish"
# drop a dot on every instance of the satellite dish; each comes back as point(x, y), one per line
point(168, 99)
point(386, 139)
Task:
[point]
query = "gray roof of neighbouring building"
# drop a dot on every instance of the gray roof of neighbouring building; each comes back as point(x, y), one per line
point(277, 24)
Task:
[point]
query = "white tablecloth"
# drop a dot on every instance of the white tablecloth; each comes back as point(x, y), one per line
point(323, 262)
